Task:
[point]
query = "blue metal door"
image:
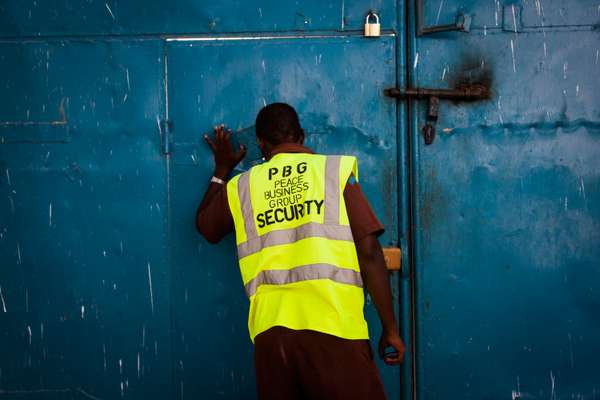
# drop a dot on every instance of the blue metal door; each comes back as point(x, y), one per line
point(84, 295)
point(335, 82)
point(507, 203)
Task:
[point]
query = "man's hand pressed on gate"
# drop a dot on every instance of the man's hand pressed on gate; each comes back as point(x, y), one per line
point(226, 158)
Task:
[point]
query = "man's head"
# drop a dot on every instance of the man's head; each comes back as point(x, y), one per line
point(277, 123)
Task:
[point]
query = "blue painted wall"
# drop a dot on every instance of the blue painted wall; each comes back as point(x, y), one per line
point(106, 291)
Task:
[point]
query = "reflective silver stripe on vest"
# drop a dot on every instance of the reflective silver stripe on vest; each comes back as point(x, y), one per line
point(246, 205)
point(332, 190)
point(330, 228)
point(292, 235)
point(304, 273)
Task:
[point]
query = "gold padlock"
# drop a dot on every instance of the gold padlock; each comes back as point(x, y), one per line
point(372, 29)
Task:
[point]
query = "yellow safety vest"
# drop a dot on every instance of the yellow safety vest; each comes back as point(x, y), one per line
point(295, 247)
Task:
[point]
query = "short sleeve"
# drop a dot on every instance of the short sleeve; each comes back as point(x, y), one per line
point(363, 221)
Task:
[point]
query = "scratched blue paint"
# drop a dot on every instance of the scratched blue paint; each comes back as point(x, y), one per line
point(126, 17)
point(84, 280)
point(507, 205)
point(106, 290)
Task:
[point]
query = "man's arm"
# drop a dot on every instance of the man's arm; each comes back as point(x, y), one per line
point(376, 278)
point(213, 218)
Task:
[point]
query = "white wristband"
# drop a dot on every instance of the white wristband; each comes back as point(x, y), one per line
point(217, 180)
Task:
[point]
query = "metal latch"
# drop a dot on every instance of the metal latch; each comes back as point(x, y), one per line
point(393, 258)
point(464, 92)
point(462, 23)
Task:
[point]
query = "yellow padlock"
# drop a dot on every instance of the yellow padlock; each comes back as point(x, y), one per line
point(372, 29)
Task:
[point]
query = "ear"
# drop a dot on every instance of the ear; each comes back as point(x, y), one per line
point(264, 147)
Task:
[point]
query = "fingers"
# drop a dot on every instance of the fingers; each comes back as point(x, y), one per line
point(209, 142)
point(393, 359)
point(218, 133)
point(241, 153)
point(221, 140)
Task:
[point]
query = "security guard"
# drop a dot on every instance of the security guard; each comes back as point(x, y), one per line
point(307, 242)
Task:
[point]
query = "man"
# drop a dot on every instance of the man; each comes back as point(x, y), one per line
point(307, 240)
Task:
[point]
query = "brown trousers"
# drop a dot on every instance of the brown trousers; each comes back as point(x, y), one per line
point(299, 365)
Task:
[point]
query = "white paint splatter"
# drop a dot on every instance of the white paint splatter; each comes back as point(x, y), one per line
point(159, 125)
point(110, 11)
point(512, 50)
point(50, 214)
point(484, 30)
point(8, 173)
point(499, 106)
point(565, 69)
point(577, 90)
point(82, 312)
point(42, 331)
point(437, 19)
point(104, 355)
point(444, 72)
point(343, 23)
point(138, 365)
point(151, 291)
point(514, 18)
point(497, 11)
point(2, 299)
point(29, 333)
point(416, 61)
point(538, 8)
point(597, 55)
point(552, 382)
point(127, 76)
point(264, 67)
point(19, 259)
point(120, 366)
point(582, 188)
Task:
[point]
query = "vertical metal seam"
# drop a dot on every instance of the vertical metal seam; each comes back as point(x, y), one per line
point(412, 143)
point(169, 266)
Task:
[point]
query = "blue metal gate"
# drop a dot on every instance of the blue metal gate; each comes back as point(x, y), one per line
point(107, 291)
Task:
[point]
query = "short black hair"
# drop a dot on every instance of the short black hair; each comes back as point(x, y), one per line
point(278, 123)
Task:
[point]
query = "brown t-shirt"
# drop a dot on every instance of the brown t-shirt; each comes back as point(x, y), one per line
point(215, 220)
